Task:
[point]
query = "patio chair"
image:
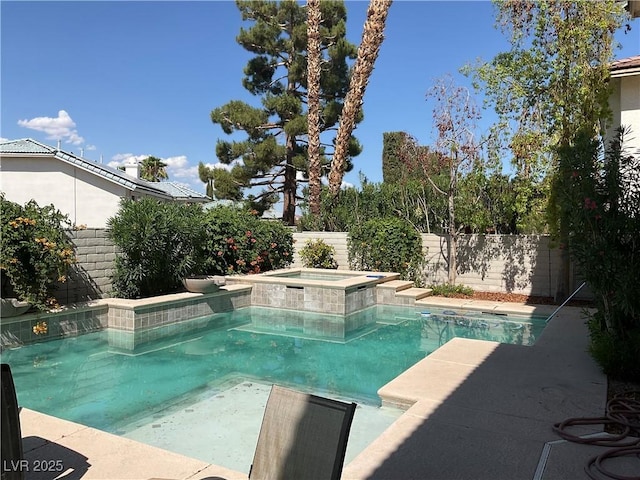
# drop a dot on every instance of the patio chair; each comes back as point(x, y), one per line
point(302, 437)
point(12, 465)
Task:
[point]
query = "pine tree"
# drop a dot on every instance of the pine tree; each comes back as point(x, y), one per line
point(275, 149)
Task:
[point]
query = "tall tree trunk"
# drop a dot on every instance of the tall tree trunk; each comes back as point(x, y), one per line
point(453, 233)
point(564, 275)
point(372, 37)
point(314, 19)
point(290, 185)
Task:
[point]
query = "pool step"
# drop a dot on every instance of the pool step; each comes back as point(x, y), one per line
point(396, 285)
point(414, 292)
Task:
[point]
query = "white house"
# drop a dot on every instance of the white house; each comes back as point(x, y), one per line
point(625, 106)
point(87, 191)
point(625, 99)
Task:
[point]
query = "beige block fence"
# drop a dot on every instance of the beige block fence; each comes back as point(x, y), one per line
point(525, 264)
point(499, 263)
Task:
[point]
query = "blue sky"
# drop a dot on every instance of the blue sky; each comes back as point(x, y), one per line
point(118, 79)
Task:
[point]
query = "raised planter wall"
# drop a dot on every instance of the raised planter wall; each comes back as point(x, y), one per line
point(131, 323)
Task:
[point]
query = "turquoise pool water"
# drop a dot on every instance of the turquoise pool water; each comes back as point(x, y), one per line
point(86, 380)
point(316, 276)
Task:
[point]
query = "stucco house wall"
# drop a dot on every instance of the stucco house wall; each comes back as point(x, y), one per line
point(625, 101)
point(88, 192)
point(86, 199)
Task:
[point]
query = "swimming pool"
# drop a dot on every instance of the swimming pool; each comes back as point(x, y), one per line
point(86, 380)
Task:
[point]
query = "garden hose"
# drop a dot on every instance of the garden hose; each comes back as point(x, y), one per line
point(622, 412)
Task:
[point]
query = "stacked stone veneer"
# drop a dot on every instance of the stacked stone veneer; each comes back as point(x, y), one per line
point(338, 301)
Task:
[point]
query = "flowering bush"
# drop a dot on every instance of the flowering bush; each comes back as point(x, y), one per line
point(602, 208)
point(386, 245)
point(35, 252)
point(317, 254)
point(237, 241)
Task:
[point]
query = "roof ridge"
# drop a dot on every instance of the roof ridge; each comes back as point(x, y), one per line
point(31, 146)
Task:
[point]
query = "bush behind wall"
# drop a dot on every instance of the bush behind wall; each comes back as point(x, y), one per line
point(386, 244)
point(160, 243)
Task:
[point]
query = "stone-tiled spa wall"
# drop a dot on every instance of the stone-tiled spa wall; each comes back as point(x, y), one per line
point(312, 299)
point(122, 318)
point(151, 322)
point(18, 330)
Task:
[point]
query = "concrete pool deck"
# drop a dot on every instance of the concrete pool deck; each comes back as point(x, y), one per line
point(476, 410)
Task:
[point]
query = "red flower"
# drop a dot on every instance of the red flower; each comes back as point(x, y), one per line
point(590, 204)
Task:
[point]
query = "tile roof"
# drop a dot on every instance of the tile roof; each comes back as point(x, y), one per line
point(24, 145)
point(628, 66)
point(179, 190)
point(161, 189)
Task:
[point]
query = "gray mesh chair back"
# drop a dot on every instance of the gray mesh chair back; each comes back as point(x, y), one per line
point(11, 444)
point(302, 437)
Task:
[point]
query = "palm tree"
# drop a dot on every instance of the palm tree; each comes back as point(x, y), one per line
point(372, 37)
point(314, 18)
point(153, 169)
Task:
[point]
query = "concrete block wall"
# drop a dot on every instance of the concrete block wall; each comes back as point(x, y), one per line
point(90, 278)
point(513, 263)
point(502, 263)
point(525, 264)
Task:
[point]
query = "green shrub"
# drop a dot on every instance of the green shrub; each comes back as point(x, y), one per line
point(236, 241)
point(35, 252)
point(157, 243)
point(317, 254)
point(386, 244)
point(449, 290)
point(600, 209)
point(617, 355)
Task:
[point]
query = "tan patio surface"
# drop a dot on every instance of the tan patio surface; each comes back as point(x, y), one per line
point(475, 410)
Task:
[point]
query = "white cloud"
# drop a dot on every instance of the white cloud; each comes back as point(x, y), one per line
point(90, 147)
point(176, 162)
point(219, 165)
point(61, 127)
point(325, 182)
point(189, 173)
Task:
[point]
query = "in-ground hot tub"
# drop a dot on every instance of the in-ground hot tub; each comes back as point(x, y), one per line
point(338, 292)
